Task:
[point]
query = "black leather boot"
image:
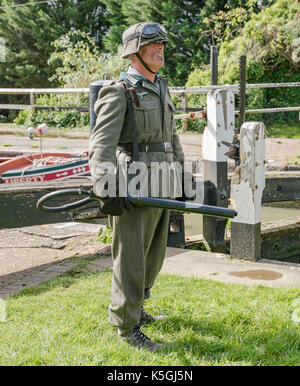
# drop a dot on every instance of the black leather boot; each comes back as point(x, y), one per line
point(147, 318)
point(137, 338)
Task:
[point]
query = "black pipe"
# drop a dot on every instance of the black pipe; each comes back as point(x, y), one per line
point(181, 206)
point(189, 207)
point(67, 207)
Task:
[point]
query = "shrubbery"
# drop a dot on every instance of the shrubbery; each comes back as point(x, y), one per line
point(266, 39)
point(59, 119)
point(264, 35)
point(78, 63)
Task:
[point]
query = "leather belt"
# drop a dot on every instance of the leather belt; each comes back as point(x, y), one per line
point(165, 147)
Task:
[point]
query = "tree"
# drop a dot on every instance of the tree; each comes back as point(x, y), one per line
point(117, 24)
point(267, 40)
point(28, 31)
point(183, 20)
point(78, 61)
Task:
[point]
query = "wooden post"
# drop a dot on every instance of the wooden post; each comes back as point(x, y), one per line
point(247, 185)
point(220, 127)
point(184, 121)
point(32, 101)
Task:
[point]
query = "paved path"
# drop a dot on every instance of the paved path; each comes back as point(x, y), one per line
point(280, 152)
point(22, 264)
point(198, 264)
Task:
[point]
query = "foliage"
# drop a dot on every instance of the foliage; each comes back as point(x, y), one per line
point(77, 63)
point(284, 130)
point(117, 21)
point(266, 39)
point(105, 235)
point(228, 23)
point(60, 119)
point(182, 19)
point(57, 118)
point(29, 30)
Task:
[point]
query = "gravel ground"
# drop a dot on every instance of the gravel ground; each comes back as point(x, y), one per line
point(281, 153)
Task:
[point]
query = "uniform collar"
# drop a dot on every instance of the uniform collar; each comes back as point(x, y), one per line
point(136, 79)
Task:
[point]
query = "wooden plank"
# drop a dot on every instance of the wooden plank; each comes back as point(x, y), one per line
point(285, 188)
point(14, 107)
point(59, 108)
point(31, 187)
point(43, 90)
point(281, 189)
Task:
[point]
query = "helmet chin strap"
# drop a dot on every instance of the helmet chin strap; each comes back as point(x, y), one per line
point(144, 64)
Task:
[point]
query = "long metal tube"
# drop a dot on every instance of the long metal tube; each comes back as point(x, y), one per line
point(189, 207)
point(181, 206)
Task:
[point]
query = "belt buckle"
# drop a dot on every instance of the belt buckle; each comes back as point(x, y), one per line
point(168, 147)
point(147, 148)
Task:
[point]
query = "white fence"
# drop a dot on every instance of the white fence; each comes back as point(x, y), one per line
point(188, 113)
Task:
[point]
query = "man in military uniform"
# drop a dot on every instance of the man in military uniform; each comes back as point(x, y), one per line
point(139, 233)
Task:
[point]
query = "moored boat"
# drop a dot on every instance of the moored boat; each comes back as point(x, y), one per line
point(42, 167)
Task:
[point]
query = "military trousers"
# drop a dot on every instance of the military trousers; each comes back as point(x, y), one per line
point(138, 251)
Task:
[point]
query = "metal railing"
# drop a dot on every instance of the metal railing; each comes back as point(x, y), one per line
point(234, 89)
point(188, 113)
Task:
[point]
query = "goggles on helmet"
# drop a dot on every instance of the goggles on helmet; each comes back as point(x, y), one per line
point(149, 31)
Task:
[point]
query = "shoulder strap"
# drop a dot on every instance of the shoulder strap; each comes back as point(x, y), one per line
point(132, 97)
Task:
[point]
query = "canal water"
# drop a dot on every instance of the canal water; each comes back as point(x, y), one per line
point(193, 222)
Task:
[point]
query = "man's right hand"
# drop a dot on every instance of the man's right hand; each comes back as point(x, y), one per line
point(114, 206)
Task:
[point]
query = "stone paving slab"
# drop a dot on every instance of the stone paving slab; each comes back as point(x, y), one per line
point(223, 268)
point(31, 248)
point(188, 263)
point(37, 278)
point(54, 271)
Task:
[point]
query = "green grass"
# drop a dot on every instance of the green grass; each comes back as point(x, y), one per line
point(64, 322)
point(284, 130)
point(293, 160)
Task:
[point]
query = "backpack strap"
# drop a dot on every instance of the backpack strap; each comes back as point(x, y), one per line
point(132, 98)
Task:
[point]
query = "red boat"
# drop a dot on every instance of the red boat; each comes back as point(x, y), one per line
point(42, 167)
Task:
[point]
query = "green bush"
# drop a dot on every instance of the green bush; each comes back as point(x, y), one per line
point(58, 118)
point(78, 63)
point(267, 40)
point(23, 118)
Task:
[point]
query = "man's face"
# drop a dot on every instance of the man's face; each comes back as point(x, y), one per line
point(153, 55)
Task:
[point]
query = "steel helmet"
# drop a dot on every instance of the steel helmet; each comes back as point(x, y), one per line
point(138, 35)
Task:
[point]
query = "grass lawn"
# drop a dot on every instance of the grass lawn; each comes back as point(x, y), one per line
point(64, 322)
point(284, 130)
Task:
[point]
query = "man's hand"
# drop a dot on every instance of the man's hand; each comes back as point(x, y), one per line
point(114, 206)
